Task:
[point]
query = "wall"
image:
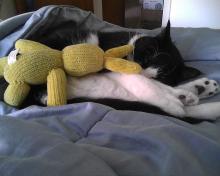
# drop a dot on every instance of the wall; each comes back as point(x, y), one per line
point(113, 11)
point(7, 9)
point(83, 4)
point(97, 6)
point(138, 17)
point(195, 13)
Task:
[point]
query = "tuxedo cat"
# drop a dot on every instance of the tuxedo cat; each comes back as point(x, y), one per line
point(149, 91)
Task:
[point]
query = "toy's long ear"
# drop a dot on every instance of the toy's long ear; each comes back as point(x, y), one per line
point(121, 65)
point(165, 33)
point(120, 51)
point(28, 45)
point(3, 62)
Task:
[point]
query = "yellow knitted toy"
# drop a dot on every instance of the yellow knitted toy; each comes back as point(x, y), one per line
point(36, 64)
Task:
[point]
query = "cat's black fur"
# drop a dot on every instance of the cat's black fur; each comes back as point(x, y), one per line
point(158, 52)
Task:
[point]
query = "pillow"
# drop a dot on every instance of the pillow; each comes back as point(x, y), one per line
point(197, 43)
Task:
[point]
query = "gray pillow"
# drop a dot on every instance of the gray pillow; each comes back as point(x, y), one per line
point(197, 43)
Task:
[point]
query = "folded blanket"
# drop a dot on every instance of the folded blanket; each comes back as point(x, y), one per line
point(92, 139)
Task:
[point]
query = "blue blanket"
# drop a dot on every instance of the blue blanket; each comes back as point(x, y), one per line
point(92, 139)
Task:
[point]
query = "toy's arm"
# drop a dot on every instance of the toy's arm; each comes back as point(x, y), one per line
point(16, 93)
point(122, 65)
point(56, 88)
point(119, 52)
point(3, 62)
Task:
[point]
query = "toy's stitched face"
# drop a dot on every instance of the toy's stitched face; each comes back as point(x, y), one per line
point(159, 52)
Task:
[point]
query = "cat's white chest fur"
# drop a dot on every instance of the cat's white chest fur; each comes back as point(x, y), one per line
point(105, 85)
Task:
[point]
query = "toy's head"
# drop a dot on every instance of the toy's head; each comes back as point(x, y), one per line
point(32, 63)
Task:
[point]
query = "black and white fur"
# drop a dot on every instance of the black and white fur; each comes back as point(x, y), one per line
point(162, 63)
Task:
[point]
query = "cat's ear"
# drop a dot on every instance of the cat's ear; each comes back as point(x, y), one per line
point(165, 33)
point(189, 73)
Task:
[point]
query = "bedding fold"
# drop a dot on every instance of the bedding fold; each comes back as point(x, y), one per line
point(93, 139)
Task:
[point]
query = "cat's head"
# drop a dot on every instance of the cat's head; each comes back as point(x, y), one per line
point(160, 53)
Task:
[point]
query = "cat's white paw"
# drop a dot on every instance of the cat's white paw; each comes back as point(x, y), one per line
point(173, 106)
point(207, 111)
point(202, 87)
point(174, 109)
point(206, 87)
point(186, 97)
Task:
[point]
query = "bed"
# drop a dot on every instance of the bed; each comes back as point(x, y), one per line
point(92, 139)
